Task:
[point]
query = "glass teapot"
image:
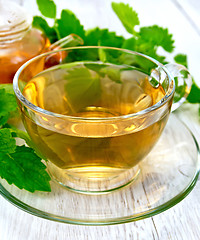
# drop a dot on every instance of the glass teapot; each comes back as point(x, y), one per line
point(20, 42)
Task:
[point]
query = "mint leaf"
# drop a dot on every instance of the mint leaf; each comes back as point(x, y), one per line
point(8, 105)
point(130, 44)
point(24, 169)
point(181, 59)
point(7, 102)
point(8, 88)
point(47, 8)
point(103, 37)
point(96, 37)
point(102, 69)
point(82, 88)
point(127, 16)
point(96, 68)
point(68, 24)
point(113, 74)
point(41, 23)
point(17, 133)
point(194, 95)
point(20, 165)
point(7, 142)
point(156, 36)
point(10, 168)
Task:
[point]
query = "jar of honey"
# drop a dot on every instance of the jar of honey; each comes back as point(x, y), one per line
point(20, 42)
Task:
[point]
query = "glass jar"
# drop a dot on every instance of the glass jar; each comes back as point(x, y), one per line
point(18, 40)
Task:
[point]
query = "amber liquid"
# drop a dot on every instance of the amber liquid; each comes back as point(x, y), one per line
point(93, 150)
point(14, 54)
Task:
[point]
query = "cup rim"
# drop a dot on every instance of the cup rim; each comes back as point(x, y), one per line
point(23, 100)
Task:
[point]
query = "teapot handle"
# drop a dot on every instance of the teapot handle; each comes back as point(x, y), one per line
point(183, 83)
point(58, 56)
point(68, 41)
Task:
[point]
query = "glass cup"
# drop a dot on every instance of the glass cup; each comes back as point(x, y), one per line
point(94, 113)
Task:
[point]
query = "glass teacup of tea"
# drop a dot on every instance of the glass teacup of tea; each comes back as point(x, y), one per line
point(95, 112)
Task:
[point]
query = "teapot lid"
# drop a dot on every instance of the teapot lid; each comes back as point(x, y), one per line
point(14, 21)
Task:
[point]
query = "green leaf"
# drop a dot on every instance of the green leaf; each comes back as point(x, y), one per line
point(113, 74)
point(68, 24)
point(96, 68)
point(179, 90)
point(181, 59)
point(82, 88)
point(8, 105)
point(194, 95)
point(127, 16)
point(19, 134)
point(103, 37)
point(7, 102)
point(24, 169)
point(7, 142)
point(97, 37)
point(8, 88)
point(4, 119)
point(130, 44)
point(41, 23)
point(103, 69)
point(47, 8)
point(155, 36)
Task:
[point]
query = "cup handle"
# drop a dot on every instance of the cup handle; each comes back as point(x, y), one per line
point(183, 83)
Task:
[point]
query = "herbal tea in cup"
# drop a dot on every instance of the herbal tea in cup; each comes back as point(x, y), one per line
point(95, 114)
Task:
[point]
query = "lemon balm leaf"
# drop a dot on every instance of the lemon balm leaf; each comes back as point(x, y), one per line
point(8, 88)
point(130, 43)
point(24, 169)
point(19, 165)
point(127, 16)
point(47, 8)
point(8, 105)
point(194, 95)
point(7, 102)
point(41, 24)
point(181, 59)
point(68, 23)
point(7, 142)
point(156, 36)
point(103, 37)
point(81, 88)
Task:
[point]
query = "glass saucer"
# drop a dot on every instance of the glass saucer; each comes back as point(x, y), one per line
point(167, 175)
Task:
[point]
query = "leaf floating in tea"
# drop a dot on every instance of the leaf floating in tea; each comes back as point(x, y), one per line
point(82, 88)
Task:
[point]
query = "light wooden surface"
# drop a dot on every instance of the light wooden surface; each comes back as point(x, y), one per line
point(182, 222)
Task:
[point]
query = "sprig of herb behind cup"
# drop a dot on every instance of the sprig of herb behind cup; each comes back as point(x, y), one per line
point(146, 40)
